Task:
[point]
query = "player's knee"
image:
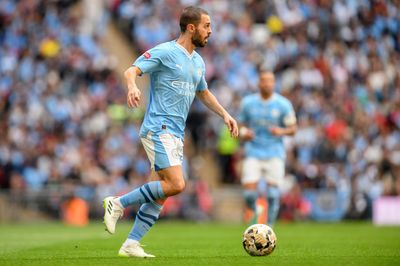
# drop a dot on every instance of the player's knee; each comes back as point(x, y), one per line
point(178, 187)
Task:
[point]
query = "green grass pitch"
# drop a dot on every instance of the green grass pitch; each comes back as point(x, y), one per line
point(180, 243)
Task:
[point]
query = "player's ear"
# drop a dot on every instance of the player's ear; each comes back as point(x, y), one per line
point(191, 28)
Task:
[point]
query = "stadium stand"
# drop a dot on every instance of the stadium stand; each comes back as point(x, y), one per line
point(65, 130)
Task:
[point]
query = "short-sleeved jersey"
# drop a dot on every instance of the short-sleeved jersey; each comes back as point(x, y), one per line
point(260, 115)
point(175, 76)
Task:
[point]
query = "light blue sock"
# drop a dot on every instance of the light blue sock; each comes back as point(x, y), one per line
point(145, 218)
point(273, 195)
point(149, 192)
point(250, 197)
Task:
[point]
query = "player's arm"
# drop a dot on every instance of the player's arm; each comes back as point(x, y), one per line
point(133, 96)
point(289, 125)
point(284, 131)
point(146, 63)
point(212, 103)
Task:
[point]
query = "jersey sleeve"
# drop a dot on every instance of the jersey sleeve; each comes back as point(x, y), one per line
point(150, 60)
point(202, 83)
point(288, 115)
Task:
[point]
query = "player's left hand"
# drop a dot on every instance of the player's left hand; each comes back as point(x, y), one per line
point(276, 131)
point(232, 126)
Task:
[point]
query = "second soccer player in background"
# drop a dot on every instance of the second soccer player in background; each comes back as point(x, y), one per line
point(265, 117)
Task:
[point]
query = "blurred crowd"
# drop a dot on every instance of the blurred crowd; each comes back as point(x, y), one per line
point(61, 105)
point(64, 124)
point(337, 61)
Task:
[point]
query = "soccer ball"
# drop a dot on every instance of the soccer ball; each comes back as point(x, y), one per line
point(259, 240)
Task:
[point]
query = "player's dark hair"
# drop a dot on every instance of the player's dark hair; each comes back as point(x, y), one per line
point(191, 15)
point(263, 69)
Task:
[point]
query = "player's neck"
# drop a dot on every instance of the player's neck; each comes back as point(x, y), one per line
point(266, 96)
point(186, 42)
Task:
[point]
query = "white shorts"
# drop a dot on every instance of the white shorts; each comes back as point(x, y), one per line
point(163, 150)
point(272, 170)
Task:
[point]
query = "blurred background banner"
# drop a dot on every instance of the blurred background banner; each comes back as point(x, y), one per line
point(67, 138)
point(327, 205)
point(386, 211)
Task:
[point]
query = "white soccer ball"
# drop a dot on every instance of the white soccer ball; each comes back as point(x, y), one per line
point(259, 240)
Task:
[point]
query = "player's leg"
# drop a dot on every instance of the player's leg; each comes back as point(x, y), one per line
point(149, 212)
point(145, 218)
point(273, 198)
point(114, 206)
point(250, 178)
point(164, 151)
point(275, 170)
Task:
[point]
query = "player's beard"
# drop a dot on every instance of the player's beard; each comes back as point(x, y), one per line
point(196, 40)
point(266, 93)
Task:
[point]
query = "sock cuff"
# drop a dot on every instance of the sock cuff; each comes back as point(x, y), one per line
point(129, 241)
point(117, 201)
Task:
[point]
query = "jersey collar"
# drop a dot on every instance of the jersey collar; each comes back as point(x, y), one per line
point(184, 50)
point(267, 101)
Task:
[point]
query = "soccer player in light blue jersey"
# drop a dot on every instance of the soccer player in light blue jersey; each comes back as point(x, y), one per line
point(177, 74)
point(264, 118)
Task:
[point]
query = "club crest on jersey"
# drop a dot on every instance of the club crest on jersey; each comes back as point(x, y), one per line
point(274, 112)
point(147, 55)
point(199, 72)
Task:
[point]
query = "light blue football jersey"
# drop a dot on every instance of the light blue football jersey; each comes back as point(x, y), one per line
point(260, 115)
point(175, 76)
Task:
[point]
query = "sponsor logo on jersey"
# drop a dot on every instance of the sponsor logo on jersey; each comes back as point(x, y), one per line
point(182, 85)
point(184, 88)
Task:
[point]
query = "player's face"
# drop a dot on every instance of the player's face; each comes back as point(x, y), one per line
point(266, 83)
point(202, 32)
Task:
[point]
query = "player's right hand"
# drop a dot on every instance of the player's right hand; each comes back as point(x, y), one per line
point(133, 97)
point(232, 125)
point(246, 134)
